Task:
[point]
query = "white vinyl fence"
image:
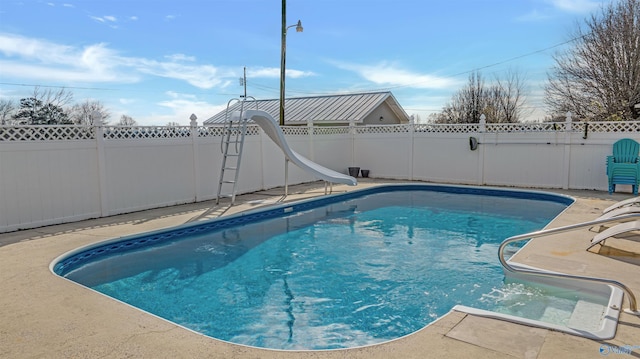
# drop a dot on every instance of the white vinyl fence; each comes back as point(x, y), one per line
point(57, 174)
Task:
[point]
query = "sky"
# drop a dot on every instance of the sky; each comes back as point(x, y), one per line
point(160, 61)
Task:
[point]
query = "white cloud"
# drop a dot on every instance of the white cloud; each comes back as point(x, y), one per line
point(126, 101)
point(274, 72)
point(43, 60)
point(104, 19)
point(532, 16)
point(181, 106)
point(263, 72)
point(180, 57)
point(38, 59)
point(577, 6)
point(108, 20)
point(387, 74)
point(295, 74)
point(201, 76)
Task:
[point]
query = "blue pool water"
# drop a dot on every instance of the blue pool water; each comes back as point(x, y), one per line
point(338, 272)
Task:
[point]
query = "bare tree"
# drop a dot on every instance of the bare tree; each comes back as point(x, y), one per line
point(60, 98)
point(467, 104)
point(7, 108)
point(87, 112)
point(509, 99)
point(172, 124)
point(126, 121)
point(599, 78)
point(502, 101)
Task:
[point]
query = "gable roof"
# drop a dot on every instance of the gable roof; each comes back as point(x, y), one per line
point(331, 109)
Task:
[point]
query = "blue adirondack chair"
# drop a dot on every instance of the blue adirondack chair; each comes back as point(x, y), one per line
point(624, 166)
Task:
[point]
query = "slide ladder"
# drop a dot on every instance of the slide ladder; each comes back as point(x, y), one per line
point(235, 129)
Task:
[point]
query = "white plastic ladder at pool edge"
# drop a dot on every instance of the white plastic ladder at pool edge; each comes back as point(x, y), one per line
point(235, 129)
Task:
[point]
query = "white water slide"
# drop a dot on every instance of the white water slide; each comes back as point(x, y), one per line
point(273, 130)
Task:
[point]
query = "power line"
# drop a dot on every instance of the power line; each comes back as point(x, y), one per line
point(66, 87)
point(269, 88)
point(456, 74)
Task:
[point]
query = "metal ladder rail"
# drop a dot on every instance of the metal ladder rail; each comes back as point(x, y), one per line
point(224, 148)
point(239, 130)
point(633, 306)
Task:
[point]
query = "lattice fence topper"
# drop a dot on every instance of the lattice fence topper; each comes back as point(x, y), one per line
point(322, 130)
point(145, 132)
point(295, 131)
point(218, 131)
point(447, 128)
point(525, 127)
point(607, 126)
point(75, 132)
point(46, 133)
point(210, 131)
point(382, 129)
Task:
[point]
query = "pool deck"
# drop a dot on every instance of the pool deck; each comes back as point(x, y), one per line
point(45, 316)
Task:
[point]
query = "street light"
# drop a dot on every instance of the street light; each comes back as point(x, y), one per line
point(283, 55)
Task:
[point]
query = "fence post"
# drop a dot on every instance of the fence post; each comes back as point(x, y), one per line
point(352, 131)
point(311, 135)
point(412, 134)
point(482, 129)
point(193, 128)
point(566, 162)
point(102, 168)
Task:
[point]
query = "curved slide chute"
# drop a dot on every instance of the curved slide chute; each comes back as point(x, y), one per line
point(273, 130)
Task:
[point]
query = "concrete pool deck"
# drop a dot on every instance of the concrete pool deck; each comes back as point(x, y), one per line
point(45, 316)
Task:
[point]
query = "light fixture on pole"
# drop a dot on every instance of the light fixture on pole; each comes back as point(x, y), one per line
point(283, 55)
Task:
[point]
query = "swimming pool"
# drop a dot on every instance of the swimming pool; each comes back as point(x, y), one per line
point(340, 271)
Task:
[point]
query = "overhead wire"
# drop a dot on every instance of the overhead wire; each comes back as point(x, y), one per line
point(498, 63)
point(316, 93)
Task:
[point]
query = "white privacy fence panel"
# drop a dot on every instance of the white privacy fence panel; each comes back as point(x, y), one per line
point(147, 174)
point(43, 183)
point(517, 162)
point(333, 151)
point(385, 155)
point(56, 174)
point(445, 157)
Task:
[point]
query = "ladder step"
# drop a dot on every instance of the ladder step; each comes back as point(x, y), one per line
point(231, 146)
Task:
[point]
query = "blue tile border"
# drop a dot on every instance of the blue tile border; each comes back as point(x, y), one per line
point(78, 259)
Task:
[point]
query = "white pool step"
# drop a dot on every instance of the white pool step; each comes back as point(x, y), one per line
point(586, 316)
point(558, 312)
point(583, 316)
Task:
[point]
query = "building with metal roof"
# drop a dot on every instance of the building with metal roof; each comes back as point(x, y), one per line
point(338, 110)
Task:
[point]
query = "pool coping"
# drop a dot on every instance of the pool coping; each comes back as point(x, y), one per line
point(47, 316)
